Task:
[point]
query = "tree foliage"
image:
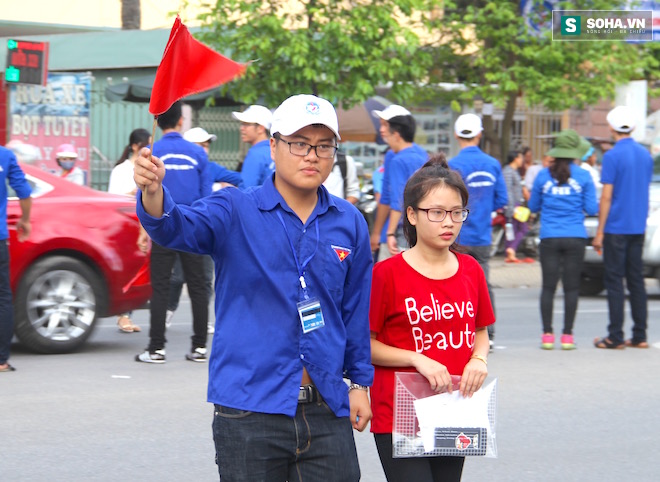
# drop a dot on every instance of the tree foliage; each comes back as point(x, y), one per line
point(341, 50)
point(488, 46)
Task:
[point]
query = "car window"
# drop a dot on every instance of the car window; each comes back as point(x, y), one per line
point(39, 188)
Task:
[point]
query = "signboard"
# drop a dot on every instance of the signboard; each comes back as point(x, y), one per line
point(27, 62)
point(54, 114)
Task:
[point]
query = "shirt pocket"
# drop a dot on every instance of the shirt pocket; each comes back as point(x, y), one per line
point(336, 263)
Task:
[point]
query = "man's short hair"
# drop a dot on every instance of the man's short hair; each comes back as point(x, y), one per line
point(405, 125)
point(170, 119)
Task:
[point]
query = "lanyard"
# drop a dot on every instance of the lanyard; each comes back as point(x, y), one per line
point(301, 268)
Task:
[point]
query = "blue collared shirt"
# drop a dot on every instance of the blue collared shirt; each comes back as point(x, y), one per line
point(257, 165)
point(399, 167)
point(482, 175)
point(186, 164)
point(259, 349)
point(10, 171)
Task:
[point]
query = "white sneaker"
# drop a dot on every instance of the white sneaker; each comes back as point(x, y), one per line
point(157, 356)
point(197, 355)
point(211, 328)
point(168, 318)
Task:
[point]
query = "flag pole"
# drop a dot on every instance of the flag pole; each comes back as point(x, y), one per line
point(153, 136)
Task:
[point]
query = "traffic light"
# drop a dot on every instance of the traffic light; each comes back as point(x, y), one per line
point(27, 62)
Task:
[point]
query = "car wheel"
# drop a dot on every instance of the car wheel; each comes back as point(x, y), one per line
point(497, 245)
point(56, 305)
point(590, 285)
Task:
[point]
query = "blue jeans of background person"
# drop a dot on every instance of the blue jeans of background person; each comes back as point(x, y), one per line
point(315, 445)
point(561, 257)
point(417, 469)
point(177, 280)
point(6, 307)
point(482, 255)
point(622, 256)
point(161, 263)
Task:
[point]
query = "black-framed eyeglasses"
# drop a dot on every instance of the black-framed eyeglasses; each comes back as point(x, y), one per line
point(298, 148)
point(437, 215)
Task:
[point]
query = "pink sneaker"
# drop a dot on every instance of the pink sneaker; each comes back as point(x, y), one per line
point(548, 341)
point(567, 342)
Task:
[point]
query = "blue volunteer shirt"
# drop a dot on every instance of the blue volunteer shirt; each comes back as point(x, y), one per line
point(399, 167)
point(185, 163)
point(259, 349)
point(563, 207)
point(220, 173)
point(12, 173)
point(482, 175)
point(629, 168)
point(257, 165)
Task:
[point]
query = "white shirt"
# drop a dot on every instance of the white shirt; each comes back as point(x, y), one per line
point(595, 175)
point(121, 179)
point(76, 176)
point(335, 181)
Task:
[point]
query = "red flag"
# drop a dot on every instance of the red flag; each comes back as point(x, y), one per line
point(188, 67)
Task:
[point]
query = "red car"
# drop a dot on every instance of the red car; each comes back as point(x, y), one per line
point(81, 262)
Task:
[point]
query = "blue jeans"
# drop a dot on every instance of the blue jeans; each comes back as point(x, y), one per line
point(561, 257)
point(622, 256)
point(6, 307)
point(313, 445)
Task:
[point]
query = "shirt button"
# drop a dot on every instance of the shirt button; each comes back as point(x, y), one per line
point(302, 357)
point(304, 231)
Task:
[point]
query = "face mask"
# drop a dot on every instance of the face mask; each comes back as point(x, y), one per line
point(67, 165)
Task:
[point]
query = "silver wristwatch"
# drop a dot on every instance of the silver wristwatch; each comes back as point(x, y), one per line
point(355, 386)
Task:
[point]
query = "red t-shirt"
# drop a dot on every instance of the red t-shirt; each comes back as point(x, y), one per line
point(437, 318)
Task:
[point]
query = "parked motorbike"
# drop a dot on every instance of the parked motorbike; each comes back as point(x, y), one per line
point(529, 245)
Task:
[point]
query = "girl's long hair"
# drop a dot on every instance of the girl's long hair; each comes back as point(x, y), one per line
point(560, 169)
point(139, 137)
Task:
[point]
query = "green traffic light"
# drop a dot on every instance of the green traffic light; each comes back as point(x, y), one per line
point(12, 44)
point(12, 74)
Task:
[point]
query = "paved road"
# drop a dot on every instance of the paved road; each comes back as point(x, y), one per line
point(98, 415)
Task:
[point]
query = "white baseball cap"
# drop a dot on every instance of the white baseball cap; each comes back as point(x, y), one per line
point(255, 114)
point(621, 119)
point(390, 111)
point(197, 135)
point(304, 110)
point(468, 126)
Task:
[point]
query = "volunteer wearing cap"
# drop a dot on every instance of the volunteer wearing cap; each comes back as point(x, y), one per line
point(66, 156)
point(292, 314)
point(397, 128)
point(219, 174)
point(624, 205)
point(258, 164)
point(562, 193)
point(482, 175)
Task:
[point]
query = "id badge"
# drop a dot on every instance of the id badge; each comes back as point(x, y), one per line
point(311, 316)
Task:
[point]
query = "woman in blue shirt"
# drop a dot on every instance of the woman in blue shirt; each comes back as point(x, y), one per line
point(562, 193)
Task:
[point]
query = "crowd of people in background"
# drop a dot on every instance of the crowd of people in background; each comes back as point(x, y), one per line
point(431, 235)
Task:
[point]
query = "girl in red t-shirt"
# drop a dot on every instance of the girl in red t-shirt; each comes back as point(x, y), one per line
point(429, 312)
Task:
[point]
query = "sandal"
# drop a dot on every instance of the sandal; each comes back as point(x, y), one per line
point(126, 325)
point(512, 260)
point(637, 344)
point(7, 368)
point(609, 344)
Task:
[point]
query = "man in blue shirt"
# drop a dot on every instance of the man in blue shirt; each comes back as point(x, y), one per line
point(11, 173)
point(292, 314)
point(482, 175)
point(626, 174)
point(397, 128)
point(187, 181)
point(258, 164)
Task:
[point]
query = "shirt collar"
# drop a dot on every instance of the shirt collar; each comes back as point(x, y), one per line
point(269, 198)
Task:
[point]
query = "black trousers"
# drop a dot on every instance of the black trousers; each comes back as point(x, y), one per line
point(161, 263)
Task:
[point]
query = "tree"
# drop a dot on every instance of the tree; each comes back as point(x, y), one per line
point(130, 14)
point(341, 50)
point(489, 48)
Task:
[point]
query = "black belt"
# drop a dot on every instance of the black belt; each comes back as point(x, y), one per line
point(309, 394)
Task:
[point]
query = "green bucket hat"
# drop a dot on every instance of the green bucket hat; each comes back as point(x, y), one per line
point(569, 145)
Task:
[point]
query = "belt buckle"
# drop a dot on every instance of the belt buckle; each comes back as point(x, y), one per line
point(306, 394)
